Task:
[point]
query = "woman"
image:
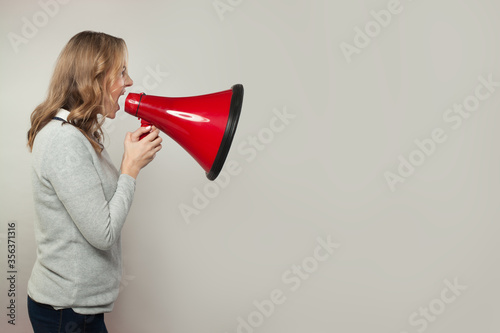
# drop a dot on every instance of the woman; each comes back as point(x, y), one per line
point(81, 200)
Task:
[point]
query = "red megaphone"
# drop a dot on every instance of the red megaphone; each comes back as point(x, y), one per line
point(203, 125)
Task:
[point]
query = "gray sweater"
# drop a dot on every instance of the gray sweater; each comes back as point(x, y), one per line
point(81, 203)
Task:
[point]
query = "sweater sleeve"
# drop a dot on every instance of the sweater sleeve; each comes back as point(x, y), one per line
point(69, 167)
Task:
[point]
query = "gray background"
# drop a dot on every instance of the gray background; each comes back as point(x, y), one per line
point(321, 175)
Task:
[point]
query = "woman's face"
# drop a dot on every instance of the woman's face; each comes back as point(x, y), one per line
point(118, 89)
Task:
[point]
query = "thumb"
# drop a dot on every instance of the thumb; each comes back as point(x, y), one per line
point(140, 131)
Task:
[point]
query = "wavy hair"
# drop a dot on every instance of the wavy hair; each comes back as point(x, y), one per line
point(87, 67)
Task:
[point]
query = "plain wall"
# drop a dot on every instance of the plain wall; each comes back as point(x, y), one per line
point(341, 99)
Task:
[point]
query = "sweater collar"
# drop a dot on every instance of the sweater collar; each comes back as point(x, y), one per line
point(63, 114)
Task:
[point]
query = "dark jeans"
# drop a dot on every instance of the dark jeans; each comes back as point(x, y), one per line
point(45, 319)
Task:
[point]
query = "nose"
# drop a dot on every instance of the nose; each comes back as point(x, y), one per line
point(129, 81)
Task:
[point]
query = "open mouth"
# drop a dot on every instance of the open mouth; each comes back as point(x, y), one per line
point(120, 100)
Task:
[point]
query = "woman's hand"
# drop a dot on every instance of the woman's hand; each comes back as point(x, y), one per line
point(138, 153)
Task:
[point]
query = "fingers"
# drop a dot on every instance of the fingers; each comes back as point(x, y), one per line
point(151, 154)
point(140, 152)
point(153, 134)
point(158, 140)
point(154, 142)
point(140, 131)
point(155, 146)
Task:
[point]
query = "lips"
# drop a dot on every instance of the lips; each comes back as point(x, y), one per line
point(117, 101)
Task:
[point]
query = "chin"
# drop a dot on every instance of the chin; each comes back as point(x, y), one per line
point(112, 114)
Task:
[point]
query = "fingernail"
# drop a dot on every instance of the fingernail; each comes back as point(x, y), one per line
point(148, 128)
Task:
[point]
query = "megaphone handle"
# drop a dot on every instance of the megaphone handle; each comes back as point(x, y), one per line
point(144, 124)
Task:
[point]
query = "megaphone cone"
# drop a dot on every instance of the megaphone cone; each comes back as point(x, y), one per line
point(203, 125)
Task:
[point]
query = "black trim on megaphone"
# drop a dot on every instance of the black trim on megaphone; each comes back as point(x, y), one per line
point(139, 104)
point(227, 139)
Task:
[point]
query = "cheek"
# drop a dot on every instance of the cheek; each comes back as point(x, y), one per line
point(121, 82)
point(116, 92)
point(117, 86)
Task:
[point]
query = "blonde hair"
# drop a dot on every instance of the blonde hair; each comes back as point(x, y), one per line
point(86, 69)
